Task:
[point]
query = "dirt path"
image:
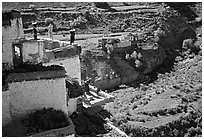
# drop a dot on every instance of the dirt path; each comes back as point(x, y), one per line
point(87, 41)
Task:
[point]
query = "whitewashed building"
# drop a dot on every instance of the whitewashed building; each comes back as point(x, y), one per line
point(30, 90)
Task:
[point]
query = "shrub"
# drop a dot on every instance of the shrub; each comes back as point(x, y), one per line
point(49, 21)
point(46, 119)
point(32, 6)
point(192, 131)
point(74, 89)
point(80, 22)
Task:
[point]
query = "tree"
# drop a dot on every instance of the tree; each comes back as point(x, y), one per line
point(49, 21)
point(32, 6)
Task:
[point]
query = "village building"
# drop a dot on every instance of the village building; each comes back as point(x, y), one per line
point(34, 71)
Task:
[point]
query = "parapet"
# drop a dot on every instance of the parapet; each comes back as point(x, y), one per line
point(28, 72)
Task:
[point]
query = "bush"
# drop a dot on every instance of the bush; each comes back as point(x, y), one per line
point(49, 21)
point(46, 119)
point(32, 6)
point(80, 22)
point(74, 89)
point(192, 131)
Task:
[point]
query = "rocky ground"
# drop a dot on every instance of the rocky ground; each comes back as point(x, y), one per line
point(172, 102)
point(169, 101)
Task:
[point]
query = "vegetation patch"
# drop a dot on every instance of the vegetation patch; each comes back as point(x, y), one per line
point(46, 119)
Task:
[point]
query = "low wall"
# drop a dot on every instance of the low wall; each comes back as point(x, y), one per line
point(49, 44)
point(107, 84)
point(59, 132)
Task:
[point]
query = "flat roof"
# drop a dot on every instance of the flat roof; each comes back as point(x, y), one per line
point(38, 75)
point(28, 72)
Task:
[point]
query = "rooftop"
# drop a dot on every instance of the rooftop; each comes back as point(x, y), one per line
point(26, 72)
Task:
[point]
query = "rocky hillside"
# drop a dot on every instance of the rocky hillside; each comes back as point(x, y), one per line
point(158, 37)
point(169, 102)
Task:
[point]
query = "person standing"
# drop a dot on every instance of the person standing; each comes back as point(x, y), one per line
point(50, 31)
point(35, 32)
point(72, 36)
point(86, 85)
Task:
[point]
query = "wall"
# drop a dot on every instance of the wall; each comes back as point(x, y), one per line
point(72, 105)
point(107, 84)
point(9, 34)
point(33, 51)
point(28, 96)
point(71, 65)
point(6, 117)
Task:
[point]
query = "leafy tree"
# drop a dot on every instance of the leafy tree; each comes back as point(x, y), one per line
point(48, 21)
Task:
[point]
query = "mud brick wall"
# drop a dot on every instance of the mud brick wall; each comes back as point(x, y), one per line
point(33, 51)
point(72, 66)
point(6, 116)
point(9, 34)
point(32, 94)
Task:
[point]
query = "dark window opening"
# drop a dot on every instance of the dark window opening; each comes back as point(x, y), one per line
point(17, 55)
